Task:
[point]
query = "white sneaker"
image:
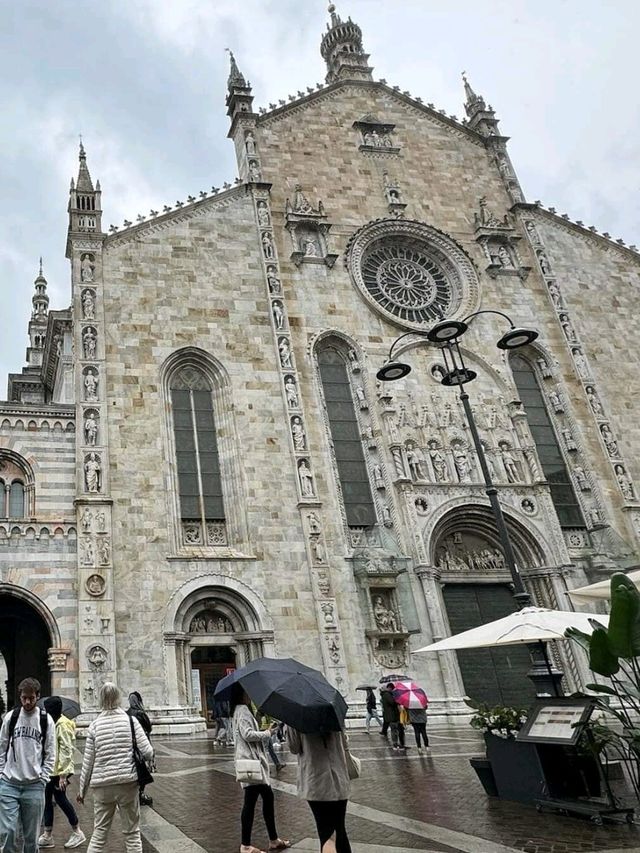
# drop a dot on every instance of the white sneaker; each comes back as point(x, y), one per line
point(76, 838)
point(46, 840)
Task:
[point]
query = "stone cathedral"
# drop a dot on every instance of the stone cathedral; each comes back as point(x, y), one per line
point(199, 467)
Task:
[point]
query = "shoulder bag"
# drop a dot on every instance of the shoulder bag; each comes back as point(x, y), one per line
point(142, 768)
point(248, 770)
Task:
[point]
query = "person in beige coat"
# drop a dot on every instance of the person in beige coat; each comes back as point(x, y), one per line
point(109, 769)
point(323, 780)
point(250, 743)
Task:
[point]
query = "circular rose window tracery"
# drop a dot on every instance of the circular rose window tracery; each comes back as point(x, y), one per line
point(411, 272)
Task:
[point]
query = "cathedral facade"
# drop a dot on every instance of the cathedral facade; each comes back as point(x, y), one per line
point(199, 466)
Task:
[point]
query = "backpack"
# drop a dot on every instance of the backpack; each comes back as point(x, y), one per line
point(44, 724)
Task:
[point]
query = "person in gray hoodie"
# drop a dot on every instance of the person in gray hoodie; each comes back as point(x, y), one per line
point(418, 719)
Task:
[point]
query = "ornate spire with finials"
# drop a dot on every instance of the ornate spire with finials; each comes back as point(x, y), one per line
point(84, 183)
point(239, 98)
point(236, 78)
point(474, 102)
point(40, 300)
point(85, 210)
point(481, 117)
point(341, 48)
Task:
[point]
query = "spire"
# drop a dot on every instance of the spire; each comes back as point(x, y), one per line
point(481, 117)
point(342, 50)
point(475, 103)
point(84, 184)
point(236, 78)
point(40, 300)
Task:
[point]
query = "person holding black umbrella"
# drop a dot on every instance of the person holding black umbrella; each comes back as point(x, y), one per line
point(323, 781)
point(391, 716)
point(252, 771)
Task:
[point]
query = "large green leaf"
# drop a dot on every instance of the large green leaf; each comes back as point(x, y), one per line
point(601, 658)
point(582, 639)
point(602, 688)
point(624, 622)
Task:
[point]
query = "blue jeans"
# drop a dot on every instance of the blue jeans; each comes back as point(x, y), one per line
point(20, 805)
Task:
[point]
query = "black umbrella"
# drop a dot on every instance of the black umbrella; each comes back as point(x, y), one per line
point(289, 691)
point(387, 678)
point(70, 708)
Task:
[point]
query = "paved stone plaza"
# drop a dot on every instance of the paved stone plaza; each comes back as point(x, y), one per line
point(431, 803)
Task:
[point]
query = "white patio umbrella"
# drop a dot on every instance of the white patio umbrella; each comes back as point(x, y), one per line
point(529, 625)
point(600, 590)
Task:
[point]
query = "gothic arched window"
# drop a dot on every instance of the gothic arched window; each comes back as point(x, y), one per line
point(347, 443)
point(16, 499)
point(551, 457)
point(196, 447)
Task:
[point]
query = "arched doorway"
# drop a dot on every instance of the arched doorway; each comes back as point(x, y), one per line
point(476, 590)
point(24, 643)
point(214, 624)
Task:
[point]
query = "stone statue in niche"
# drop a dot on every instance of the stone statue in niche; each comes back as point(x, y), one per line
point(353, 361)
point(362, 400)
point(263, 214)
point(545, 370)
point(267, 245)
point(438, 372)
point(581, 479)
point(594, 516)
point(254, 171)
point(91, 386)
point(88, 554)
point(581, 363)
point(316, 549)
point(544, 263)
point(568, 328)
point(301, 203)
point(91, 428)
point(327, 611)
point(532, 231)
point(89, 340)
point(386, 516)
point(438, 462)
point(609, 441)
point(101, 521)
point(291, 392)
point(594, 402)
point(554, 293)
point(486, 218)
point(488, 454)
point(285, 353)
point(273, 280)
point(104, 551)
point(569, 441)
point(306, 479)
point(311, 249)
point(250, 144)
point(415, 461)
point(88, 300)
point(93, 473)
point(504, 257)
point(298, 434)
point(510, 466)
point(278, 315)
point(556, 402)
point(314, 524)
point(461, 461)
point(624, 482)
point(87, 268)
point(378, 479)
point(385, 617)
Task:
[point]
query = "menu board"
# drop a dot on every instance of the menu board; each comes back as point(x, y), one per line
point(555, 720)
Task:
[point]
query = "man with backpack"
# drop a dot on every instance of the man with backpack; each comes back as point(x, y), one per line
point(27, 757)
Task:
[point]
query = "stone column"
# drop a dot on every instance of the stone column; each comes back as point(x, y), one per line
point(174, 669)
point(452, 685)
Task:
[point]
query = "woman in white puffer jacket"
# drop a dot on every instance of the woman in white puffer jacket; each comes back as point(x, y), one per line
point(108, 768)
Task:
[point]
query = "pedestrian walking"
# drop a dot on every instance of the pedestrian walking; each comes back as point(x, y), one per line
point(252, 771)
point(108, 768)
point(372, 710)
point(323, 780)
point(56, 788)
point(136, 709)
point(391, 716)
point(27, 758)
point(418, 719)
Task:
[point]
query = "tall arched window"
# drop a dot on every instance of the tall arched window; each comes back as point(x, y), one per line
point(16, 499)
point(547, 444)
point(345, 432)
point(196, 447)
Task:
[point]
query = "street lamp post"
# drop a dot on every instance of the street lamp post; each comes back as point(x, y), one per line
point(446, 335)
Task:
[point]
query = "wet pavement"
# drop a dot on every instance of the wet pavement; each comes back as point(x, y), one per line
point(431, 802)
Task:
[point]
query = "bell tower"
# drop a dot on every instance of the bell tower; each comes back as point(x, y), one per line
point(341, 48)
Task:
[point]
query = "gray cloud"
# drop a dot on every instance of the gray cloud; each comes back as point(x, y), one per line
point(144, 82)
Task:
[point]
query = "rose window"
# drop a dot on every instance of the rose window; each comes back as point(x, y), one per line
point(412, 273)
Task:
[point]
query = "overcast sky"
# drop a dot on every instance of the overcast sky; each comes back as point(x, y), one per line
point(144, 82)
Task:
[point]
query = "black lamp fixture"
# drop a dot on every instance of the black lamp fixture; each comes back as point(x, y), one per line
point(517, 337)
point(392, 370)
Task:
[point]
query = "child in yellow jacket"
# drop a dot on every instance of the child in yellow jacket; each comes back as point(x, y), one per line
point(62, 772)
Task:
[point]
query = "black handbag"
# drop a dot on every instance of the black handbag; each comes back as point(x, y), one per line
point(142, 768)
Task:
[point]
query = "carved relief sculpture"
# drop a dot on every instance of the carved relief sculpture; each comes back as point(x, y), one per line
point(85, 520)
point(545, 370)
point(378, 479)
point(327, 610)
point(581, 363)
point(254, 171)
point(385, 617)
point(101, 521)
point(594, 402)
point(439, 463)
point(362, 400)
point(415, 461)
point(89, 340)
point(314, 524)
point(581, 479)
point(624, 482)
point(609, 441)
point(87, 553)
point(556, 402)
point(104, 551)
point(97, 657)
point(569, 441)
point(461, 462)
point(95, 585)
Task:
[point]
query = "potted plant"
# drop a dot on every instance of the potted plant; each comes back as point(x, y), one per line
point(514, 766)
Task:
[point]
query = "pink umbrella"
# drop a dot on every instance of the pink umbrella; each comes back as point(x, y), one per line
point(410, 695)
